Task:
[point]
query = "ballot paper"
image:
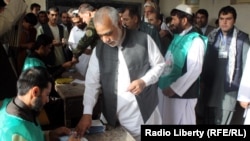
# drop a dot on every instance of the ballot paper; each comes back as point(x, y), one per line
point(66, 138)
point(96, 127)
point(77, 81)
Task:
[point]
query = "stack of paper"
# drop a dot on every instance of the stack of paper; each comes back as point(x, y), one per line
point(96, 127)
point(66, 138)
point(78, 81)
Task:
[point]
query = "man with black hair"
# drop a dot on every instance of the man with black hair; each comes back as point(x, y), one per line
point(179, 83)
point(223, 67)
point(90, 38)
point(60, 52)
point(201, 21)
point(18, 115)
point(35, 8)
point(131, 20)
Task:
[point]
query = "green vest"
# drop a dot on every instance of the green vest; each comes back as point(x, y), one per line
point(11, 126)
point(176, 58)
point(32, 62)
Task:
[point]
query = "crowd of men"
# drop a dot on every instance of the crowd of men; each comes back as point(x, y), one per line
point(151, 69)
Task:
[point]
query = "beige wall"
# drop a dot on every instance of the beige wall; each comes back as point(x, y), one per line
point(213, 7)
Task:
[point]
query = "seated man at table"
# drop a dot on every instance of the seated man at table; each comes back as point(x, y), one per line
point(18, 115)
point(42, 48)
point(39, 53)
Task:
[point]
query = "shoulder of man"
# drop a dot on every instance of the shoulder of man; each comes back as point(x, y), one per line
point(148, 25)
point(212, 35)
point(242, 34)
point(89, 32)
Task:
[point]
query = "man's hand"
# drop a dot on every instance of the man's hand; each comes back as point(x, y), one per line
point(68, 64)
point(75, 60)
point(168, 92)
point(58, 132)
point(136, 86)
point(244, 104)
point(88, 51)
point(83, 125)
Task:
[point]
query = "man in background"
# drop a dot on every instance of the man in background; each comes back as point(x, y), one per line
point(201, 21)
point(223, 67)
point(89, 40)
point(60, 53)
point(35, 8)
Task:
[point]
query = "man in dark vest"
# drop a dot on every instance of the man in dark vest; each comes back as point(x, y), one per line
point(180, 80)
point(60, 53)
point(125, 65)
point(223, 67)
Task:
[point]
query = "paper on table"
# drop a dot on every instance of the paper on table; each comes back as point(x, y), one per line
point(66, 138)
point(78, 81)
point(96, 127)
point(96, 123)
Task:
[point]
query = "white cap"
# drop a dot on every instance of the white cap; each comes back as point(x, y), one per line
point(184, 8)
point(75, 11)
point(150, 4)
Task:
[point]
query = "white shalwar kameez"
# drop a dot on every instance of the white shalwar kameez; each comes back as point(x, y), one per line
point(74, 37)
point(180, 111)
point(244, 89)
point(128, 112)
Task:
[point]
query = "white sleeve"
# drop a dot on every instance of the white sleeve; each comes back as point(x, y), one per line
point(39, 31)
point(244, 89)
point(156, 61)
point(195, 58)
point(92, 84)
point(71, 37)
point(11, 14)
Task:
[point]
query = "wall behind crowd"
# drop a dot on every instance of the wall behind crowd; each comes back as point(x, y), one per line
point(212, 6)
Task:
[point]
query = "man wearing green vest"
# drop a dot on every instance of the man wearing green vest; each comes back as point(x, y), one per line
point(179, 83)
point(18, 115)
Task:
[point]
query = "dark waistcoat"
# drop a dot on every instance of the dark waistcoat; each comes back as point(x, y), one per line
point(135, 51)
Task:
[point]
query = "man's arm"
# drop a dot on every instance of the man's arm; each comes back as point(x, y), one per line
point(194, 67)
point(89, 39)
point(92, 85)
point(156, 61)
point(11, 14)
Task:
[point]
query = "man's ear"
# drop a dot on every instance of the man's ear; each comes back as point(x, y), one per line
point(136, 19)
point(184, 21)
point(35, 91)
point(89, 13)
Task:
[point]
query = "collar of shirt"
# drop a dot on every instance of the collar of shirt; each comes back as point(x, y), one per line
point(18, 108)
point(186, 31)
point(203, 29)
point(123, 37)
